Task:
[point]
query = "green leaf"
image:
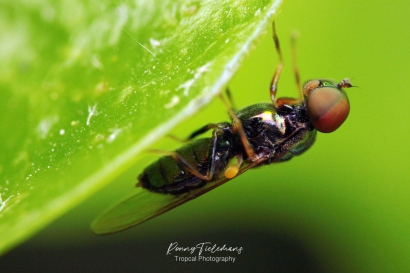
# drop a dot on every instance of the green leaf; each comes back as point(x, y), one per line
point(85, 87)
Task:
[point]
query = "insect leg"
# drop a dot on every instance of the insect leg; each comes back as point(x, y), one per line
point(191, 169)
point(249, 166)
point(230, 98)
point(237, 124)
point(274, 82)
point(187, 167)
point(195, 133)
point(238, 128)
point(295, 66)
point(202, 130)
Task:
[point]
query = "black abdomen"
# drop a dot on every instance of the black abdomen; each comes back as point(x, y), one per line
point(167, 176)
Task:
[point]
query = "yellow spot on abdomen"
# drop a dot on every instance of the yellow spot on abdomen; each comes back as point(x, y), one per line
point(231, 172)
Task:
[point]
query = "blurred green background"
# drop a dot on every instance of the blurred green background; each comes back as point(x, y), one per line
point(341, 207)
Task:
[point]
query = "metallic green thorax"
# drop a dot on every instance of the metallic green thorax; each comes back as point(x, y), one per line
point(284, 132)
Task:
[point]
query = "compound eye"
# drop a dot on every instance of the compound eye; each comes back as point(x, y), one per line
point(328, 108)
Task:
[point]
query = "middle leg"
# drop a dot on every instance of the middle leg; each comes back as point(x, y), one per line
point(278, 102)
point(278, 71)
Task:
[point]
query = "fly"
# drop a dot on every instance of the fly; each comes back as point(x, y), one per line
point(258, 134)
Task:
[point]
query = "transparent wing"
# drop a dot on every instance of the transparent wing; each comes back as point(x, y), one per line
point(146, 205)
point(135, 210)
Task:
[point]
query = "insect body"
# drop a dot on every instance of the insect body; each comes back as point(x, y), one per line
point(259, 134)
point(272, 134)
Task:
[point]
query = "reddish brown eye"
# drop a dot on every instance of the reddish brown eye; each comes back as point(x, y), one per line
point(328, 108)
